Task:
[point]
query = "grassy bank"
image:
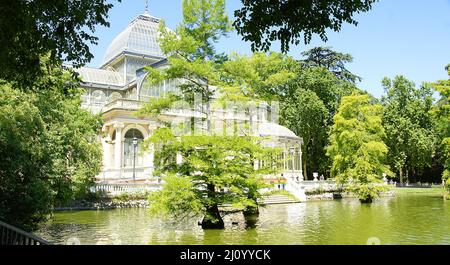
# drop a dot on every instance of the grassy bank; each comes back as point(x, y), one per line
point(434, 190)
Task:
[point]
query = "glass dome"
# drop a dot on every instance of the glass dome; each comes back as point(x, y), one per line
point(139, 38)
point(272, 129)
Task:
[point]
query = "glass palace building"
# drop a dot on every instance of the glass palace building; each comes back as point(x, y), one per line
point(118, 89)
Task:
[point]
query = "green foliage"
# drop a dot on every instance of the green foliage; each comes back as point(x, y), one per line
point(178, 199)
point(307, 116)
point(190, 49)
point(260, 76)
point(441, 113)
point(322, 190)
point(32, 29)
point(409, 126)
point(433, 190)
point(25, 194)
point(327, 87)
point(157, 105)
point(130, 196)
point(48, 149)
point(216, 170)
point(205, 22)
point(308, 96)
point(357, 148)
point(264, 21)
point(191, 55)
point(331, 60)
point(279, 192)
point(313, 90)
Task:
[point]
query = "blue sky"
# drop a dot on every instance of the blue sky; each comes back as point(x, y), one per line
point(408, 37)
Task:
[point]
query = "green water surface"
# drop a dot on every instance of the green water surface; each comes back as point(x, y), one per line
point(404, 219)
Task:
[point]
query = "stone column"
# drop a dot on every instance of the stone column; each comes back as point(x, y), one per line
point(293, 159)
point(106, 144)
point(106, 153)
point(149, 155)
point(118, 145)
point(300, 162)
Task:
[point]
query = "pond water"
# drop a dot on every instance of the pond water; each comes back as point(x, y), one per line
point(404, 219)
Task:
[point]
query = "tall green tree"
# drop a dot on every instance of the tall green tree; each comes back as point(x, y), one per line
point(327, 87)
point(277, 77)
point(268, 77)
point(32, 29)
point(215, 169)
point(306, 114)
point(191, 53)
point(409, 127)
point(356, 148)
point(332, 60)
point(292, 22)
point(441, 112)
point(317, 87)
point(49, 152)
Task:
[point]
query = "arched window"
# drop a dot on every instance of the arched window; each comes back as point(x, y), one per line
point(131, 151)
point(114, 96)
point(98, 98)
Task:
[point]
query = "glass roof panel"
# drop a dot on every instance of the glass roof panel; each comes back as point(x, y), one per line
point(272, 129)
point(100, 76)
point(139, 37)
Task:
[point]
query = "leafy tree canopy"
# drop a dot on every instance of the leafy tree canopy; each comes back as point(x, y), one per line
point(277, 77)
point(289, 21)
point(332, 60)
point(48, 149)
point(441, 112)
point(356, 148)
point(31, 29)
point(214, 169)
point(327, 87)
point(260, 76)
point(409, 125)
point(306, 115)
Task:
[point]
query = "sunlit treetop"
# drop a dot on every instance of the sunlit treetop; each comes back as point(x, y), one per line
point(31, 29)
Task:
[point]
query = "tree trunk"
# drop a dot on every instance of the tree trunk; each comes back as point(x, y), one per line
point(212, 218)
point(406, 175)
point(251, 210)
point(366, 200)
point(251, 214)
point(305, 173)
point(251, 220)
point(401, 175)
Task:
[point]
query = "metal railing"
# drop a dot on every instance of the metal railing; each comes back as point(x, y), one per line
point(114, 189)
point(123, 103)
point(10, 235)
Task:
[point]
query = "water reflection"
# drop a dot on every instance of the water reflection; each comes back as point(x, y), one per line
point(393, 220)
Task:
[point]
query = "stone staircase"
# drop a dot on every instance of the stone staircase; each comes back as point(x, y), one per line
point(278, 199)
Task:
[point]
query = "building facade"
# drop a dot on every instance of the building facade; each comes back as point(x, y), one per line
point(118, 89)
